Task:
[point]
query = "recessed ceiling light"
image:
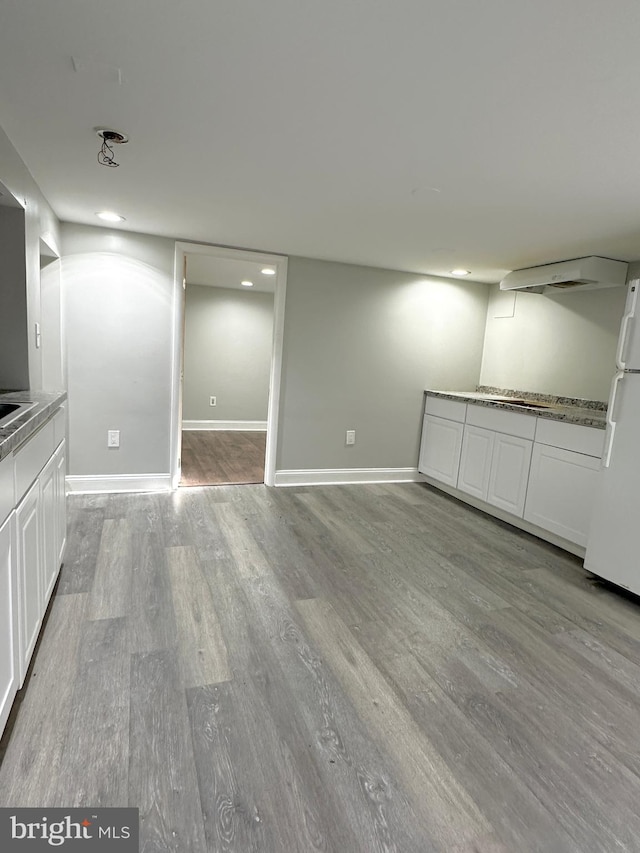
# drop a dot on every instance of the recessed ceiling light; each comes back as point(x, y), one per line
point(268, 271)
point(109, 216)
point(246, 283)
point(460, 272)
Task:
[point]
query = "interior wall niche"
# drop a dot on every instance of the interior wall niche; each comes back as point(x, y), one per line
point(14, 349)
point(53, 369)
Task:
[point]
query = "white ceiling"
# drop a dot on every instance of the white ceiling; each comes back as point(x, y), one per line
point(213, 271)
point(419, 135)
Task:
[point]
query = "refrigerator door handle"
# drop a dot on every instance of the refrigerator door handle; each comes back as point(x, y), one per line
point(624, 327)
point(611, 423)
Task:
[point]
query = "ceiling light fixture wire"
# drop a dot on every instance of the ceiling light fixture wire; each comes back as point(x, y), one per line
point(106, 154)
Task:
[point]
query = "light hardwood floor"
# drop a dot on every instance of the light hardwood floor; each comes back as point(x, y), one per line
point(219, 457)
point(344, 668)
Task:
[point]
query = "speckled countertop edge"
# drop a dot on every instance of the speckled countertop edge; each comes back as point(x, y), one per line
point(19, 430)
point(570, 409)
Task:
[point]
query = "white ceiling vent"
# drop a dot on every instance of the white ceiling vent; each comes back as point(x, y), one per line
point(568, 276)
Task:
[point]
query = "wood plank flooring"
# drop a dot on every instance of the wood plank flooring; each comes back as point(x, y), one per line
point(347, 669)
point(222, 457)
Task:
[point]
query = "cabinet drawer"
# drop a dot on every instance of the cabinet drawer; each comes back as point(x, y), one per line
point(581, 439)
point(31, 457)
point(453, 410)
point(7, 491)
point(511, 423)
point(59, 425)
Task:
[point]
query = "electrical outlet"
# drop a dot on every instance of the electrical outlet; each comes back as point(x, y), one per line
point(351, 436)
point(213, 401)
point(113, 438)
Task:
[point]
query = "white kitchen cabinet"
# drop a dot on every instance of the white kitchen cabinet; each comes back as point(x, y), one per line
point(29, 571)
point(537, 473)
point(440, 448)
point(48, 481)
point(495, 468)
point(509, 473)
point(475, 461)
point(38, 467)
point(561, 489)
point(7, 488)
point(9, 674)
point(32, 541)
point(61, 500)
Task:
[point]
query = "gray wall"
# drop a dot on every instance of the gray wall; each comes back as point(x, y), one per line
point(360, 345)
point(118, 307)
point(228, 340)
point(561, 344)
point(39, 221)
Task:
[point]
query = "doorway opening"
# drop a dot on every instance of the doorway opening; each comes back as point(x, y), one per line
point(222, 457)
point(229, 321)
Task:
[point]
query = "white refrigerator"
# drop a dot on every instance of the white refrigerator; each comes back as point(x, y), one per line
point(613, 546)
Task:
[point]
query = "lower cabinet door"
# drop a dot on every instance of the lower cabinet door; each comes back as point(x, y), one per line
point(475, 461)
point(29, 559)
point(9, 676)
point(509, 473)
point(440, 449)
point(61, 502)
point(561, 491)
point(49, 529)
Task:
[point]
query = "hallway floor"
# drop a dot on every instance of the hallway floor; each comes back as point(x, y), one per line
point(222, 457)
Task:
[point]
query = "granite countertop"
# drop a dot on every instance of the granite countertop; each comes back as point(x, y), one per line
point(22, 427)
point(573, 410)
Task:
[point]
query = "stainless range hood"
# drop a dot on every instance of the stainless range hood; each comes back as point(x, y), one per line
point(568, 276)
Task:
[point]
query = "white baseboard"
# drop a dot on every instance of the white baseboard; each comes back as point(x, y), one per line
point(119, 483)
point(342, 476)
point(250, 426)
point(321, 476)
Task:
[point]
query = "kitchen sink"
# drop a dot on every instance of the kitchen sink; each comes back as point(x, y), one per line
point(10, 411)
point(527, 403)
